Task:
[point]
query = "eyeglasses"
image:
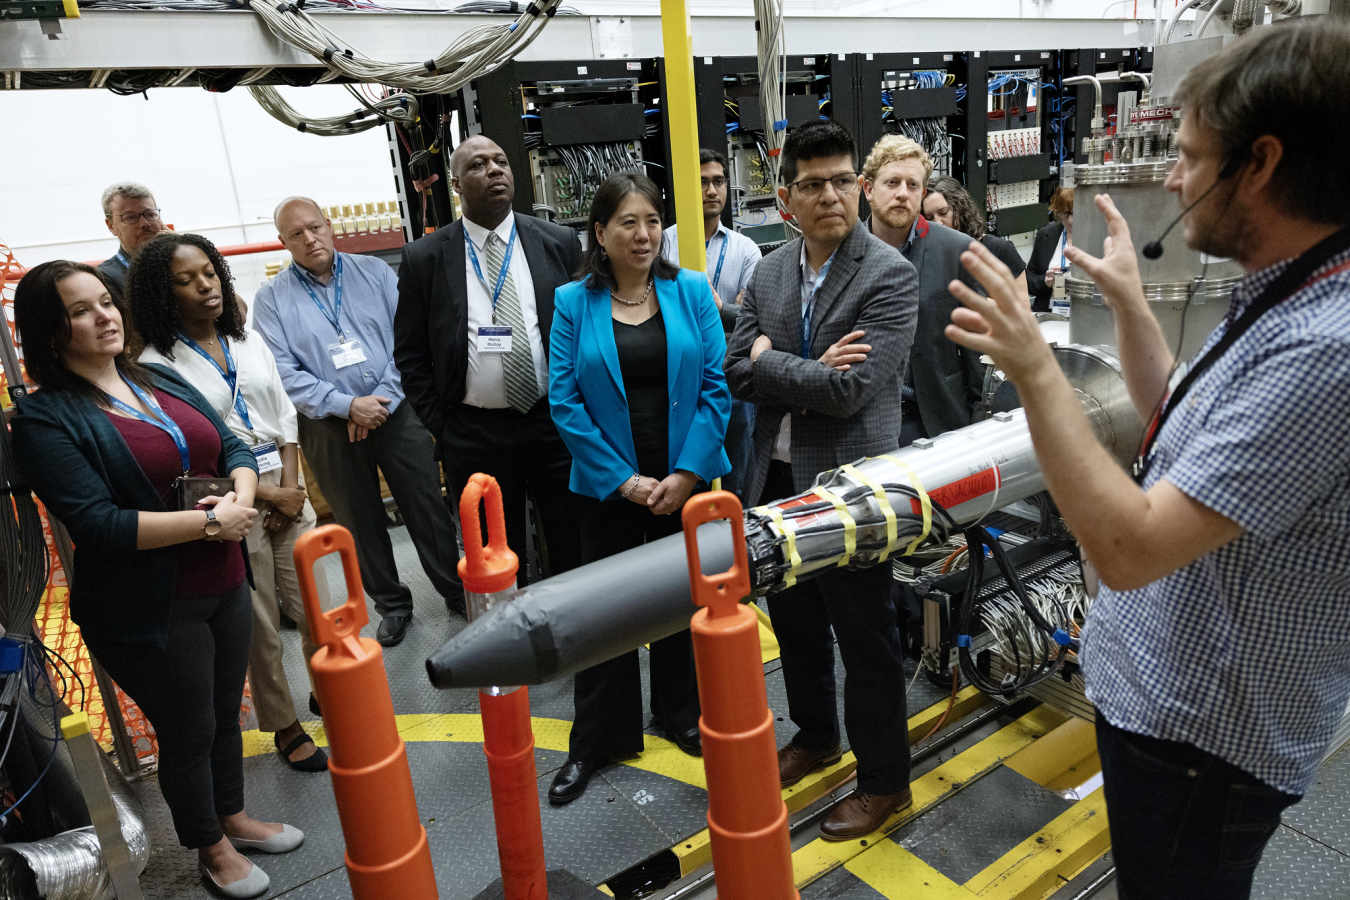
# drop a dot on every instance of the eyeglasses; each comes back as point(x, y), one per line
point(810, 188)
point(718, 183)
point(150, 215)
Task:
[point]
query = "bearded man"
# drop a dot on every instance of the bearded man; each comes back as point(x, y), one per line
point(942, 384)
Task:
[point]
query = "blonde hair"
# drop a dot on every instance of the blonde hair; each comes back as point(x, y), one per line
point(893, 148)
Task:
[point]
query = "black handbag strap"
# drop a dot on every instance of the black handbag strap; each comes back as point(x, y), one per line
point(1291, 280)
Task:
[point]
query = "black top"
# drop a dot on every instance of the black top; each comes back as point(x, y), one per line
point(642, 362)
point(1006, 253)
point(1042, 258)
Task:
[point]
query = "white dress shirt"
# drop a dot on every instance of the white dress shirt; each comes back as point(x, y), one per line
point(484, 382)
point(270, 411)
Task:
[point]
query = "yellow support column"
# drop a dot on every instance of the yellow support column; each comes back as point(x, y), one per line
point(682, 126)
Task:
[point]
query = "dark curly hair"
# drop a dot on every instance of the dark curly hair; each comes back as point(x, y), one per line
point(44, 329)
point(968, 219)
point(154, 307)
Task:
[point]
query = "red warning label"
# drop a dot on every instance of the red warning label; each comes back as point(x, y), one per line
point(962, 491)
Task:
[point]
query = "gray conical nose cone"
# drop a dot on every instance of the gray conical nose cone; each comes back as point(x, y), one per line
point(581, 618)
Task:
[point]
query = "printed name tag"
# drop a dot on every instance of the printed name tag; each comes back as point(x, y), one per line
point(1060, 305)
point(267, 456)
point(494, 339)
point(348, 354)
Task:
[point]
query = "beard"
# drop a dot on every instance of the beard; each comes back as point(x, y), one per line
point(1221, 230)
point(897, 217)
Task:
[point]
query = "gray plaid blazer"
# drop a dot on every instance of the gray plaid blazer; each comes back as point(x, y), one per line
point(837, 417)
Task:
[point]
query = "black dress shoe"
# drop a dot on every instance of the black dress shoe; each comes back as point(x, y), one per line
point(455, 605)
point(392, 630)
point(571, 780)
point(690, 741)
point(287, 622)
point(314, 705)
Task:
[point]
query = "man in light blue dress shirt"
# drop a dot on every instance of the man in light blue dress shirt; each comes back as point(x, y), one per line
point(732, 258)
point(329, 320)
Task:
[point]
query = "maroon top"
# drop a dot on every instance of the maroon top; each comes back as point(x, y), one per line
point(205, 568)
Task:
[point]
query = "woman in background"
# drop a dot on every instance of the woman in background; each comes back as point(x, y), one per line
point(1047, 254)
point(948, 203)
point(637, 392)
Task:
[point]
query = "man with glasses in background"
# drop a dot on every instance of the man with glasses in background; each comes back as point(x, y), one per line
point(732, 258)
point(826, 398)
point(131, 215)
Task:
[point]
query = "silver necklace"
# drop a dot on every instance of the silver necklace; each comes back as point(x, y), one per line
point(634, 302)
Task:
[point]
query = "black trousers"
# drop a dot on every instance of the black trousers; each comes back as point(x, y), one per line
point(1184, 823)
point(349, 476)
point(608, 697)
point(858, 605)
point(528, 458)
point(190, 691)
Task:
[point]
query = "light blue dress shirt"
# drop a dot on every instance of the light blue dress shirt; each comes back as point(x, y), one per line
point(742, 257)
point(300, 335)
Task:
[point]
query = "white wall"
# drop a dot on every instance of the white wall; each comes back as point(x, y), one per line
point(217, 163)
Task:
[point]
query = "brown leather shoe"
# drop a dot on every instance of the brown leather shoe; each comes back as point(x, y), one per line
point(861, 814)
point(794, 762)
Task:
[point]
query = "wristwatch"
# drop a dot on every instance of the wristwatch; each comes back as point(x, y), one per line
point(212, 526)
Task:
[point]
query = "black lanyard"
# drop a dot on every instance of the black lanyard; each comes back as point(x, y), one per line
point(1290, 281)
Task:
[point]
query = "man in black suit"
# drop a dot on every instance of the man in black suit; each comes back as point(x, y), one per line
point(471, 342)
point(942, 385)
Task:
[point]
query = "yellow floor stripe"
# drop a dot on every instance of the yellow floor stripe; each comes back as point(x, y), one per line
point(893, 871)
point(819, 857)
point(1041, 864)
point(1063, 759)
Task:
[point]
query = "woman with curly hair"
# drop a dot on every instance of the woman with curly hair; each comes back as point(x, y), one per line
point(947, 203)
point(184, 305)
point(159, 584)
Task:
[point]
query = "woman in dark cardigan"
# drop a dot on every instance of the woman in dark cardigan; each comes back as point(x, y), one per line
point(160, 594)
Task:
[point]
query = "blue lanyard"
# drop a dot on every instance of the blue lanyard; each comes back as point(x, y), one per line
point(810, 307)
point(123, 258)
point(161, 420)
point(717, 276)
point(336, 318)
point(501, 273)
point(230, 373)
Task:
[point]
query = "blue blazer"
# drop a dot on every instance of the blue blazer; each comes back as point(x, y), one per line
point(586, 393)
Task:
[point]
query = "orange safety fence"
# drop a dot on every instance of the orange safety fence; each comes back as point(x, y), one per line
point(52, 624)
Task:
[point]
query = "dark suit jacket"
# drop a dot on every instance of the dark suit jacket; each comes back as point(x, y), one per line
point(837, 417)
point(431, 326)
point(78, 465)
point(114, 271)
point(1047, 239)
point(948, 379)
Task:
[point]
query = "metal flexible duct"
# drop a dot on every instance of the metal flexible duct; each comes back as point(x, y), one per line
point(69, 866)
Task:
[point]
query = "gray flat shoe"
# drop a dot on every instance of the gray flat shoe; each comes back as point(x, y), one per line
point(287, 840)
point(255, 885)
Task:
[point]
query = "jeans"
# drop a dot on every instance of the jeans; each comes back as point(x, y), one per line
point(1184, 823)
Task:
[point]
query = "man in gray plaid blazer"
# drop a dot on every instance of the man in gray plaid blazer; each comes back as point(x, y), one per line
point(821, 344)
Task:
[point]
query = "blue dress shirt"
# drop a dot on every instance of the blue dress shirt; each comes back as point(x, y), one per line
point(742, 257)
point(300, 335)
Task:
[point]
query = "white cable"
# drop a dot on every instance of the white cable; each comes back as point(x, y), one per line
point(401, 108)
point(1208, 18)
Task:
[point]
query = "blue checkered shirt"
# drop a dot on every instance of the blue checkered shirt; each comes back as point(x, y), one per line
point(1245, 653)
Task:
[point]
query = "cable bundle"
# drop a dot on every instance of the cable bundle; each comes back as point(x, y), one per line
point(770, 48)
point(400, 108)
point(475, 53)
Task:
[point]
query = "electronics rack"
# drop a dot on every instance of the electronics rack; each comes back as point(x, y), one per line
point(1100, 62)
point(566, 125)
point(1011, 135)
point(729, 119)
point(917, 94)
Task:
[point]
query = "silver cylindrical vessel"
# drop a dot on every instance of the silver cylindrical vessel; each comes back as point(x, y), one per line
point(1188, 312)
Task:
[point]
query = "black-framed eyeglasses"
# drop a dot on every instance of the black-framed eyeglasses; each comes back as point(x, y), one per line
point(810, 188)
point(150, 215)
point(718, 183)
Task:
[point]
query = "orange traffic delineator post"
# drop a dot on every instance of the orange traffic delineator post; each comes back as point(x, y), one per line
point(387, 854)
point(489, 575)
point(747, 818)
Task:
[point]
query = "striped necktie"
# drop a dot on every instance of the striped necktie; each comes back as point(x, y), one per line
point(522, 387)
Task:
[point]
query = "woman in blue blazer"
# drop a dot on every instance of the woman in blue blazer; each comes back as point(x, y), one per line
point(637, 392)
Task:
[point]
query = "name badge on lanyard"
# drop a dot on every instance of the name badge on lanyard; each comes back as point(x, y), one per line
point(344, 353)
point(230, 373)
point(347, 353)
point(494, 339)
point(267, 456)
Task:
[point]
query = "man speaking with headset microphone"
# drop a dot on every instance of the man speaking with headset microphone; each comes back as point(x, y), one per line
point(1217, 653)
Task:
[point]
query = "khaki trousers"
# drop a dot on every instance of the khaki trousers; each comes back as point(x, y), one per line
point(276, 587)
